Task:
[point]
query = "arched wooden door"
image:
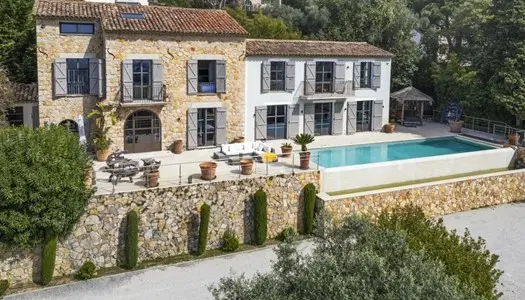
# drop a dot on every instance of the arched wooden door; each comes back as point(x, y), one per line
point(142, 132)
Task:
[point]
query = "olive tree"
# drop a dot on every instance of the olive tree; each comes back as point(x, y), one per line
point(354, 260)
point(42, 187)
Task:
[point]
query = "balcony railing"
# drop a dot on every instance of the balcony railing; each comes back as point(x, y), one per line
point(326, 90)
point(79, 88)
point(207, 87)
point(145, 95)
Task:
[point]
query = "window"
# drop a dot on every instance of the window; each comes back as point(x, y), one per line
point(77, 76)
point(133, 16)
point(248, 5)
point(324, 77)
point(364, 116)
point(77, 28)
point(206, 126)
point(15, 116)
point(70, 125)
point(206, 76)
point(276, 122)
point(366, 75)
point(323, 119)
point(142, 79)
point(277, 76)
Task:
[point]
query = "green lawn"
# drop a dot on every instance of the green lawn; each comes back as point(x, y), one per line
point(405, 183)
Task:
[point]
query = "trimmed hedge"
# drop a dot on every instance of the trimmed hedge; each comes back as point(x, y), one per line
point(4, 285)
point(132, 239)
point(203, 229)
point(230, 241)
point(49, 252)
point(87, 271)
point(309, 207)
point(260, 217)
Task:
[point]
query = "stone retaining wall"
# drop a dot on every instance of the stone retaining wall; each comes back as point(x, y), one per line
point(436, 200)
point(168, 223)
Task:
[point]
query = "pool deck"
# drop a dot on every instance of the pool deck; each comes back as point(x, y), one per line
point(176, 169)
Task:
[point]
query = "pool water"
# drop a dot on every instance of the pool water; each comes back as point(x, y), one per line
point(381, 152)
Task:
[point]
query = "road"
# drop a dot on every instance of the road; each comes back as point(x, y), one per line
point(503, 227)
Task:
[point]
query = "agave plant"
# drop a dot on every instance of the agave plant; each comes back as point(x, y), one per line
point(303, 139)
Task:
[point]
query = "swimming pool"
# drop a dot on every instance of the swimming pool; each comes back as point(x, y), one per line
point(392, 151)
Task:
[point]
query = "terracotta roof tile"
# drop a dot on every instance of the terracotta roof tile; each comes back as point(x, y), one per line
point(25, 92)
point(158, 19)
point(313, 48)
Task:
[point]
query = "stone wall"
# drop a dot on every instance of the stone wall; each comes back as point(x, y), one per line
point(435, 200)
point(168, 222)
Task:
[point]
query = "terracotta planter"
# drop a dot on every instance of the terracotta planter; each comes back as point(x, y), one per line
point(286, 151)
point(389, 128)
point(88, 178)
point(102, 155)
point(152, 179)
point(246, 166)
point(239, 139)
point(455, 126)
point(177, 147)
point(305, 160)
point(513, 138)
point(208, 169)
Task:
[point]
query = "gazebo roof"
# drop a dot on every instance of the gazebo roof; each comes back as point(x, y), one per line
point(410, 94)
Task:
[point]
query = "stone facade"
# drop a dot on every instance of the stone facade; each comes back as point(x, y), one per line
point(435, 200)
point(168, 223)
point(174, 51)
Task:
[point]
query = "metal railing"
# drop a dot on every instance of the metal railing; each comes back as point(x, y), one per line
point(317, 92)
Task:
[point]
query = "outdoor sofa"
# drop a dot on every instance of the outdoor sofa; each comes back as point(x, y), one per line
point(233, 153)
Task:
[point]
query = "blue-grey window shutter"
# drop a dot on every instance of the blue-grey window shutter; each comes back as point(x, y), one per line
point(60, 77)
point(309, 78)
point(220, 126)
point(127, 80)
point(337, 118)
point(377, 116)
point(339, 77)
point(265, 76)
point(191, 128)
point(376, 75)
point(158, 80)
point(309, 118)
point(357, 75)
point(292, 122)
point(192, 73)
point(220, 76)
point(351, 118)
point(290, 76)
point(94, 72)
point(101, 78)
point(35, 116)
point(260, 122)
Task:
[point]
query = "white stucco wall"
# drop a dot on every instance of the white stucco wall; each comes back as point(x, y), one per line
point(254, 97)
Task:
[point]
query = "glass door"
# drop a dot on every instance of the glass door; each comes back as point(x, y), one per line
point(323, 119)
point(142, 132)
point(364, 116)
point(206, 127)
point(276, 122)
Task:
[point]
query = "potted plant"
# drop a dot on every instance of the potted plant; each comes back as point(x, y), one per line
point(304, 139)
point(152, 178)
point(246, 166)
point(455, 125)
point(101, 141)
point(513, 138)
point(177, 147)
point(390, 127)
point(208, 169)
point(286, 149)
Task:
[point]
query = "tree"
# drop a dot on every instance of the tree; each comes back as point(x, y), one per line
point(6, 98)
point(263, 27)
point(356, 260)
point(42, 187)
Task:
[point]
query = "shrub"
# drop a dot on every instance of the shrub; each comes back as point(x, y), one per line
point(4, 285)
point(464, 257)
point(132, 239)
point(42, 183)
point(288, 234)
point(87, 271)
point(203, 228)
point(260, 216)
point(230, 241)
point(309, 207)
point(49, 252)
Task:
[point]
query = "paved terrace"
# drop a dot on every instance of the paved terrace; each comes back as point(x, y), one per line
point(176, 169)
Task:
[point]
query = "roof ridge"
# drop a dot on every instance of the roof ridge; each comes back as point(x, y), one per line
point(309, 41)
point(128, 5)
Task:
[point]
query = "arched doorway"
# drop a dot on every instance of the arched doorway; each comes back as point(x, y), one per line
point(70, 125)
point(142, 132)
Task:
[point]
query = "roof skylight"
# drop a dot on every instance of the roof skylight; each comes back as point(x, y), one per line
point(133, 16)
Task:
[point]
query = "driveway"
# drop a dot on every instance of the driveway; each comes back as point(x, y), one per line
point(503, 228)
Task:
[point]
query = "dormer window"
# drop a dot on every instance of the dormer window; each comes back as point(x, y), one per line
point(133, 16)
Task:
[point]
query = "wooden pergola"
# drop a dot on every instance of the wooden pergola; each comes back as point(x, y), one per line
point(411, 97)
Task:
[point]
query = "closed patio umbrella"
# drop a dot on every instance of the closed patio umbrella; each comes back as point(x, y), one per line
point(81, 130)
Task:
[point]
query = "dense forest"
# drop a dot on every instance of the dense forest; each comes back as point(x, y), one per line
point(466, 51)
